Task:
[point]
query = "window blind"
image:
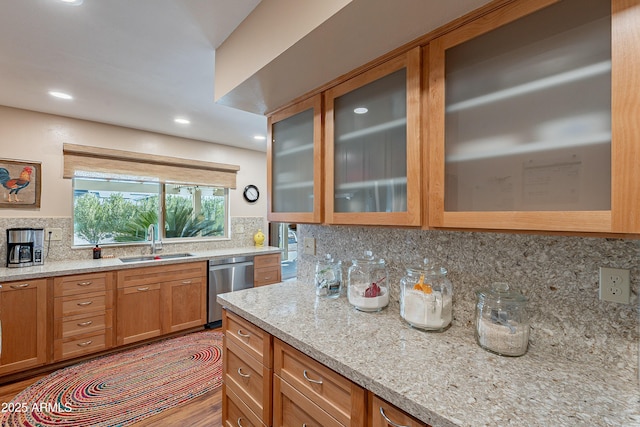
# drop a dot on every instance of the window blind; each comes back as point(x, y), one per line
point(80, 158)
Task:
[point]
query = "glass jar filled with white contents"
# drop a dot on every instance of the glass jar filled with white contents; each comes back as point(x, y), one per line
point(367, 288)
point(426, 297)
point(328, 277)
point(502, 321)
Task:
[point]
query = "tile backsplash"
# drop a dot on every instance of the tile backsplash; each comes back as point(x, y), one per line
point(558, 274)
point(242, 231)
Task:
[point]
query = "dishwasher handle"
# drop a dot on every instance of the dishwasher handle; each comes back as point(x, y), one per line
point(226, 266)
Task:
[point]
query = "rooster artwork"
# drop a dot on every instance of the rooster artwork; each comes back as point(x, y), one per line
point(14, 184)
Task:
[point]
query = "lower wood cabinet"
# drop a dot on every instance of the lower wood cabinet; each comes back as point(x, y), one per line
point(267, 269)
point(82, 314)
point(23, 312)
point(152, 301)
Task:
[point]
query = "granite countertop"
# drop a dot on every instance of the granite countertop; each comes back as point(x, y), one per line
point(63, 268)
point(443, 379)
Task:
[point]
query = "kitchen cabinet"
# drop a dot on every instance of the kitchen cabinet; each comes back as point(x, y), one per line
point(145, 300)
point(531, 119)
point(294, 163)
point(247, 372)
point(384, 414)
point(307, 392)
point(187, 306)
point(372, 145)
point(23, 312)
point(266, 269)
point(83, 314)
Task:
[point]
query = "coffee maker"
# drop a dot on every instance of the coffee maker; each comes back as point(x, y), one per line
point(25, 247)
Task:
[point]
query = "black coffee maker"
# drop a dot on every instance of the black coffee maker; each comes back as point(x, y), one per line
point(25, 247)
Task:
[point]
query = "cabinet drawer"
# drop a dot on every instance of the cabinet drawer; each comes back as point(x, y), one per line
point(79, 284)
point(385, 414)
point(249, 379)
point(266, 276)
point(248, 337)
point(70, 326)
point(262, 261)
point(80, 304)
point(291, 408)
point(236, 413)
point(81, 346)
point(338, 396)
point(165, 273)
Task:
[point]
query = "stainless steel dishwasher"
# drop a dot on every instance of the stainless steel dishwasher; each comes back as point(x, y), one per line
point(226, 275)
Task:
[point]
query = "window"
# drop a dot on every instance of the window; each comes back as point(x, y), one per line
point(119, 209)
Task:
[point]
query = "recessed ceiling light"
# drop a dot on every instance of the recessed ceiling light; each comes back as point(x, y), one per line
point(260, 137)
point(60, 95)
point(182, 121)
point(360, 110)
point(72, 2)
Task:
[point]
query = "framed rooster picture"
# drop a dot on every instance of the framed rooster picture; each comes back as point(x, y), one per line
point(20, 184)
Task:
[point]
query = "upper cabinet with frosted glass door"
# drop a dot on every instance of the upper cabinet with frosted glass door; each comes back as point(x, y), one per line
point(372, 132)
point(533, 119)
point(294, 163)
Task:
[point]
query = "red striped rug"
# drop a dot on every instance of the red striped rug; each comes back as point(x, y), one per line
point(124, 388)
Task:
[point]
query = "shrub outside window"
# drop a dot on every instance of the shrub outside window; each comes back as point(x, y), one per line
point(111, 210)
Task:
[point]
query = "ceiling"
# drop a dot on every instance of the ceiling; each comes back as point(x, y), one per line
point(137, 64)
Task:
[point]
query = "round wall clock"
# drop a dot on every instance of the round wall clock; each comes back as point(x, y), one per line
point(251, 193)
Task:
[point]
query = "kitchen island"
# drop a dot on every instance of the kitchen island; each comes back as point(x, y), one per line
point(443, 379)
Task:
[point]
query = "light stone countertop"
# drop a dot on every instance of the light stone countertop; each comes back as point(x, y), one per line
point(63, 268)
point(443, 379)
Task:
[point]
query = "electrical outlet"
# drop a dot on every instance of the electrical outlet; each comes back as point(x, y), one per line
point(614, 285)
point(56, 234)
point(309, 246)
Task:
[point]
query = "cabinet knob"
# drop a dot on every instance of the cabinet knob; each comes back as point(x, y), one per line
point(388, 420)
point(306, 377)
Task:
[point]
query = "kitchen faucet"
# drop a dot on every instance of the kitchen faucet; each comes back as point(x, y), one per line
point(151, 236)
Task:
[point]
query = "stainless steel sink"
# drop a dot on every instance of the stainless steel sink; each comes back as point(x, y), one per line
point(155, 257)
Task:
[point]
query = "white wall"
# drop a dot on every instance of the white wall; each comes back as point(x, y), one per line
point(38, 137)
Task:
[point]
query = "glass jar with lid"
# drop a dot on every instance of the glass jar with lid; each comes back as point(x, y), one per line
point(367, 288)
point(426, 297)
point(502, 321)
point(328, 277)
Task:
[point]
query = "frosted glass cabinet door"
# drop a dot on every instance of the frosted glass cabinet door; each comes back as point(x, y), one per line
point(373, 146)
point(522, 119)
point(294, 163)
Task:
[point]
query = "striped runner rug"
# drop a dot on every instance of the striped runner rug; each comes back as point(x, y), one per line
point(123, 388)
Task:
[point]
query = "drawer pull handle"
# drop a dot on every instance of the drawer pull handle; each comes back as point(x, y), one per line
point(242, 334)
point(267, 278)
point(24, 285)
point(146, 288)
point(239, 422)
point(306, 377)
point(84, 304)
point(87, 323)
point(87, 283)
point(186, 282)
point(388, 420)
point(84, 344)
point(243, 375)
